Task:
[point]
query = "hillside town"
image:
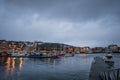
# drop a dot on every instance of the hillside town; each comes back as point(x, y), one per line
point(43, 47)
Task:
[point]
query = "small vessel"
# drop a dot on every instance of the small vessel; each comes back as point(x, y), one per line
point(18, 54)
point(4, 54)
point(69, 54)
point(35, 55)
point(60, 54)
point(42, 55)
point(109, 57)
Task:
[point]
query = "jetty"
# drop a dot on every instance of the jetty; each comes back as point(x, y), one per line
point(103, 71)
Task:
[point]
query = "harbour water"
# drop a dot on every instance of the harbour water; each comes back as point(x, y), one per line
point(65, 68)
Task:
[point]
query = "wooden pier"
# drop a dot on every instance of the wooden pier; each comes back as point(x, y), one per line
point(102, 71)
point(110, 75)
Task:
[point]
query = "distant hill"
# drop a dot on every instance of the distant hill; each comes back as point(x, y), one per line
point(49, 46)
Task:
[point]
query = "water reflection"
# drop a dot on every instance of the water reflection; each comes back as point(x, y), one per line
point(50, 61)
point(85, 58)
point(20, 64)
point(8, 66)
point(65, 68)
point(12, 65)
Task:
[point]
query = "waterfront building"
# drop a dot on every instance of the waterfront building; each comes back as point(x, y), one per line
point(77, 49)
point(118, 49)
point(3, 45)
point(69, 49)
point(113, 47)
point(85, 49)
point(99, 49)
point(36, 43)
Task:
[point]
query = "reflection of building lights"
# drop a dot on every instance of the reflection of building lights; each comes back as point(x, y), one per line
point(8, 66)
point(13, 65)
point(20, 64)
point(85, 58)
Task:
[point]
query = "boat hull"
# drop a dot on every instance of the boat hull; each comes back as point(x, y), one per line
point(31, 56)
point(4, 54)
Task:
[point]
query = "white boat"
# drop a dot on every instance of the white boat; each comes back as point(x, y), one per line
point(69, 55)
point(109, 57)
point(18, 54)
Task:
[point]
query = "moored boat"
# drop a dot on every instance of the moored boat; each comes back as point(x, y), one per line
point(109, 59)
point(4, 54)
point(69, 54)
point(18, 54)
point(42, 55)
point(60, 54)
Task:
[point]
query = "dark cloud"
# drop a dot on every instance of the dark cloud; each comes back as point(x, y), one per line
point(78, 22)
point(69, 9)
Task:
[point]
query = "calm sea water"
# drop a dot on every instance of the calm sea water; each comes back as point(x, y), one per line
point(65, 68)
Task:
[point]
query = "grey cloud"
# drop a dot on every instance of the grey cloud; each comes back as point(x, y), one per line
point(69, 9)
point(86, 22)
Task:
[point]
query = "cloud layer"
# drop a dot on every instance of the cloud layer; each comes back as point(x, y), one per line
point(78, 22)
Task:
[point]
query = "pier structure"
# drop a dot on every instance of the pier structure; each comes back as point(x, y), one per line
point(103, 71)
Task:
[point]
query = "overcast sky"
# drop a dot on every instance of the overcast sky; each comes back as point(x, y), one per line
point(75, 22)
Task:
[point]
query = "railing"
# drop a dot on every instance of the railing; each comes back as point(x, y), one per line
point(110, 75)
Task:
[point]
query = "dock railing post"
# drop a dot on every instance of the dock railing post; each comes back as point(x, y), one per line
point(113, 74)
